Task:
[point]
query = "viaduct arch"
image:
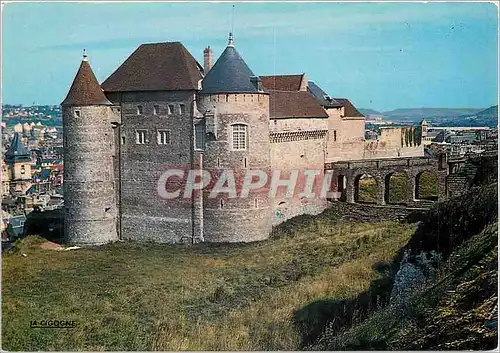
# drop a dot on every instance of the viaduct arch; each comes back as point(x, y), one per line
point(348, 174)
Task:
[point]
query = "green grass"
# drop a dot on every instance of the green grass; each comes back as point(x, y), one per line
point(456, 310)
point(127, 296)
point(449, 313)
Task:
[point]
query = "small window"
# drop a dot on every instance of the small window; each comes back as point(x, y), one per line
point(199, 136)
point(239, 135)
point(182, 108)
point(334, 135)
point(23, 169)
point(256, 204)
point(123, 140)
point(140, 137)
point(221, 203)
point(170, 109)
point(163, 137)
point(139, 110)
point(77, 113)
point(244, 162)
point(218, 162)
point(156, 109)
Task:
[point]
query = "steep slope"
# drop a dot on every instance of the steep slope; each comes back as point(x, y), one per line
point(439, 292)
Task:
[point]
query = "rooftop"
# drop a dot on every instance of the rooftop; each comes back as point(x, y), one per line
point(230, 74)
point(156, 67)
point(323, 98)
point(294, 104)
point(282, 82)
point(350, 110)
point(85, 89)
point(17, 152)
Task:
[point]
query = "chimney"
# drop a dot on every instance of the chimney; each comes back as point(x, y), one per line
point(207, 59)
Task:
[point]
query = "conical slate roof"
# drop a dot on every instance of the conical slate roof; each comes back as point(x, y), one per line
point(230, 74)
point(17, 152)
point(85, 89)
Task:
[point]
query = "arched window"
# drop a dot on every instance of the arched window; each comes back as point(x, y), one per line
point(239, 135)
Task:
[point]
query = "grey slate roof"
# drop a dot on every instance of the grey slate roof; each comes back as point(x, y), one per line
point(230, 74)
point(321, 95)
point(17, 152)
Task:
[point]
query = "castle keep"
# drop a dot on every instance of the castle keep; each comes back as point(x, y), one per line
point(161, 109)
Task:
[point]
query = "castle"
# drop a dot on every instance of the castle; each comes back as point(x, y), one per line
point(161, 109)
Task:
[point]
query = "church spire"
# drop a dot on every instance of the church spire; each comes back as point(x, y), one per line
point(17, 152)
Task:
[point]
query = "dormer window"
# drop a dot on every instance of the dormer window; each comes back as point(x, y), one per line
point(139, 110)
point(77, 113)
point(170, 109)
point(156, 109)
point(182, 109)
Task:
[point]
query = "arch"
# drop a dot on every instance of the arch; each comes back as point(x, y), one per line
point(365, 189)
point(396, 188)
point(426, 185)
point(342, 187)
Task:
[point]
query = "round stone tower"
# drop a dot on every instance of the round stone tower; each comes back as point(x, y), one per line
point(236, 121)
point(90, 210)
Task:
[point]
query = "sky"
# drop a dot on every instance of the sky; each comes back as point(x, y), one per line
point(379, 55)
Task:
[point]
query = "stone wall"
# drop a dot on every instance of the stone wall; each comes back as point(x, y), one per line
point(393, 143)
point(145, 216)
point(227, 218)
point(90, 206)
point(300, 154)
point(346, 136)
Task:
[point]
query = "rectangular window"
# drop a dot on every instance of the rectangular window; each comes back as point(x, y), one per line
point(123, 140)
point(334, 135)
point(199, 136)
point(140, 137)
point(139, 110)
point(239, 137)
point(182, 108)
point(163, 137)
point(156, 109)
point(170, 109)
point(77, 113)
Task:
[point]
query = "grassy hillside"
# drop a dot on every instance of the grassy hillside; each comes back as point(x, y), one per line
point(127, 296)
point(453, 309)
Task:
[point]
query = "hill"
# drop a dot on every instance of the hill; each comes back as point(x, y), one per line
point(439, 292)
point(440, 116)
point(491, 112)
point(366, 112)
point(128, 296)
point(409, 113)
